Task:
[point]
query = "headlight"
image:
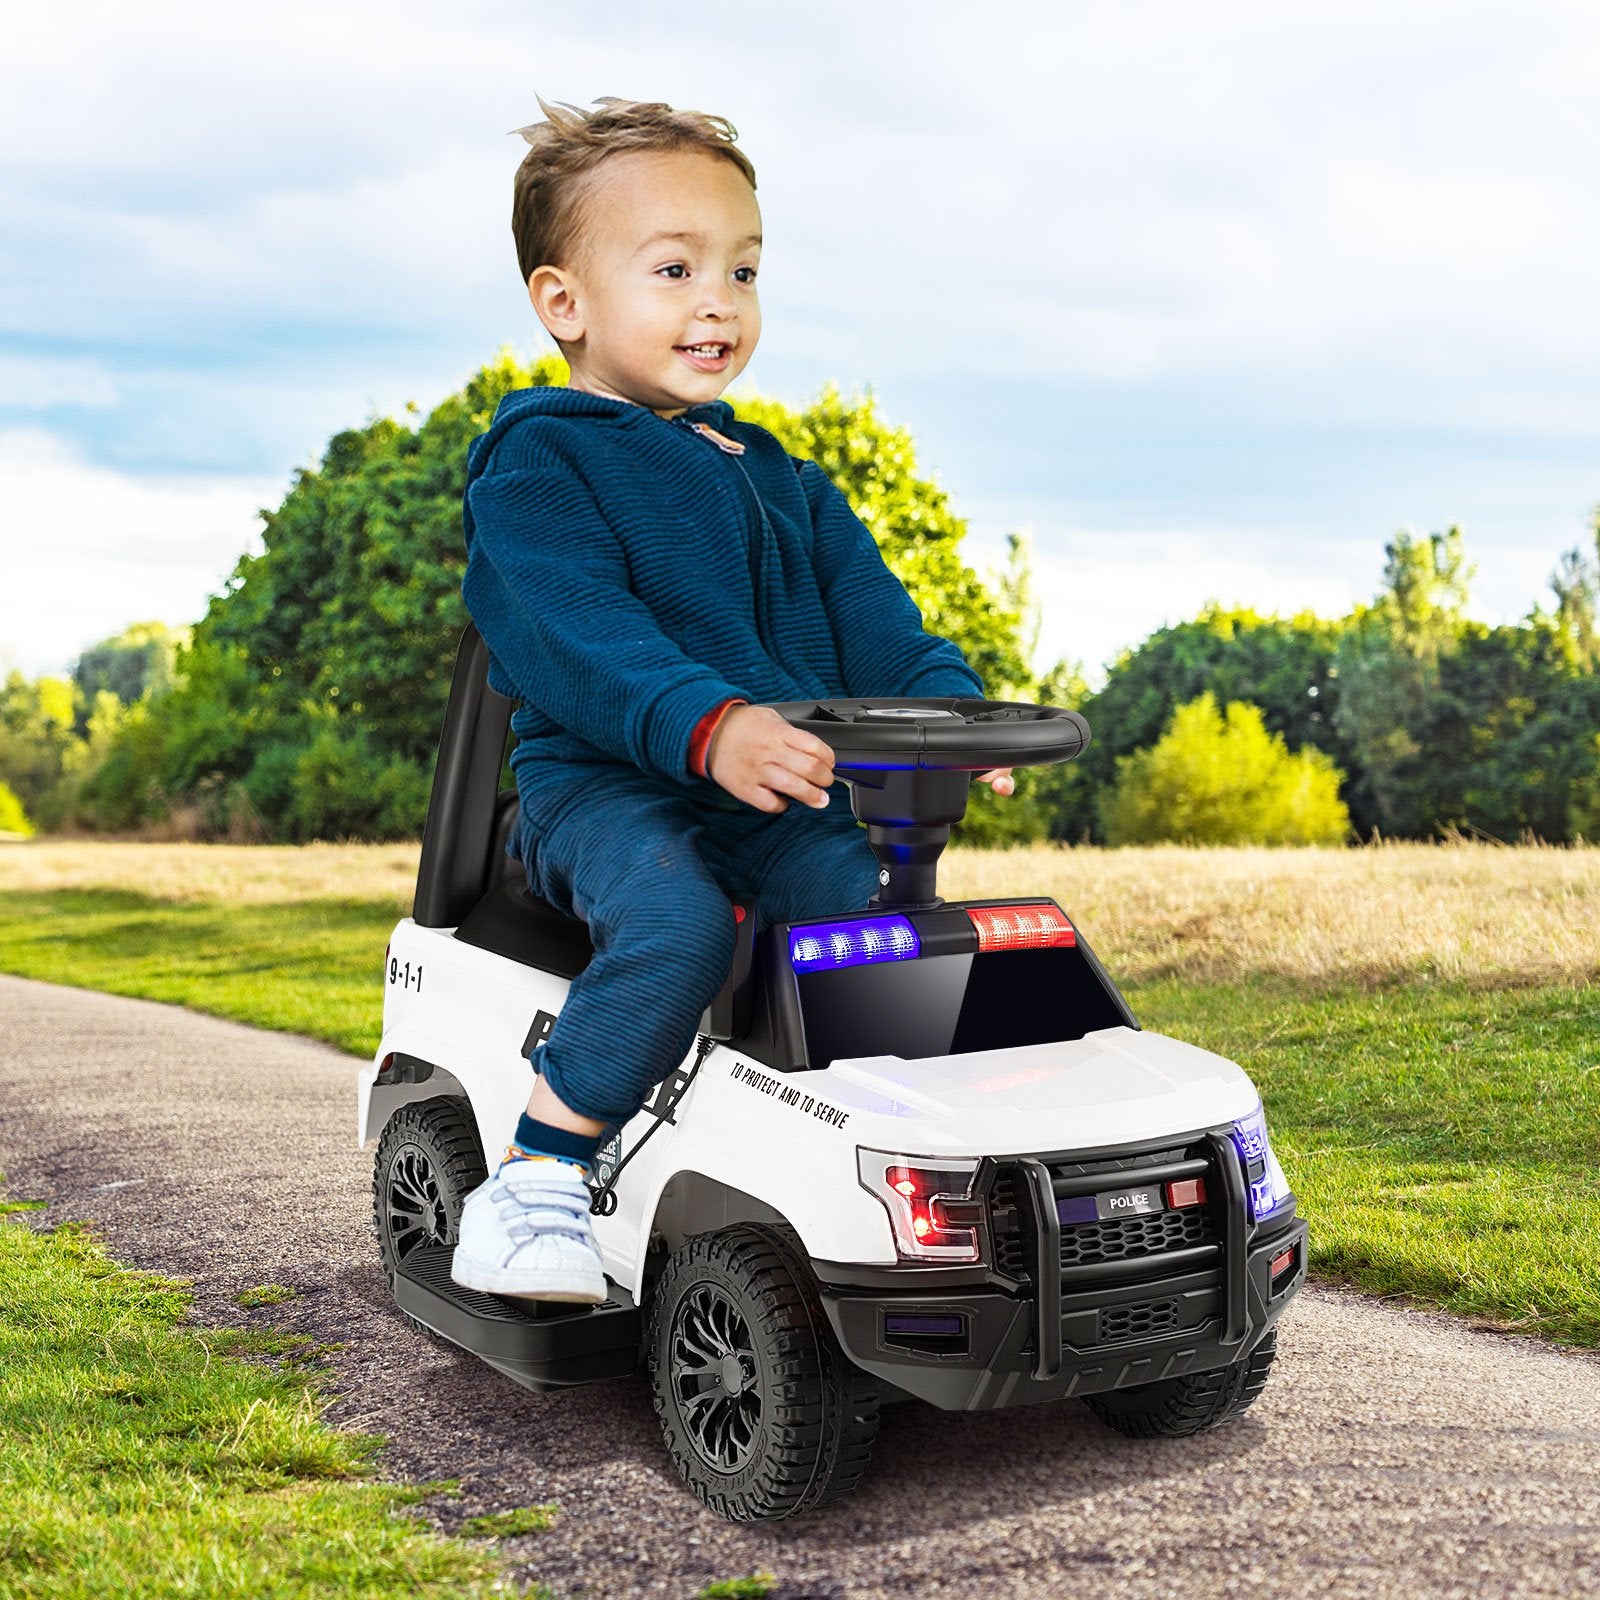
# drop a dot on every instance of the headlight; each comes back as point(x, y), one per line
point(929, 1201)
point(1269, 1189)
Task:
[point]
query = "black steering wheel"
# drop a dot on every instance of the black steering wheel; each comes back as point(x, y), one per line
point(909, 764)
point(939, 735)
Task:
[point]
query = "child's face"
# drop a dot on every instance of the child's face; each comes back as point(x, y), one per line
point(667, 273)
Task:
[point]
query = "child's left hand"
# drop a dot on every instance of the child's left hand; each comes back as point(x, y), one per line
point(999, 780)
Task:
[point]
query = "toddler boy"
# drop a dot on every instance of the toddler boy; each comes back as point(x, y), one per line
point(646, 571)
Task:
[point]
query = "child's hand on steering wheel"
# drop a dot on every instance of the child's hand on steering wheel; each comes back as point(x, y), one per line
point(999, 780)
point(765, 761)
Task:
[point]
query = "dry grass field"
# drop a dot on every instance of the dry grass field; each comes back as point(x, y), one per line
point(1476, 913)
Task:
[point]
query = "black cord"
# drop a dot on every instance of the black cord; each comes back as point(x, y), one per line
point(604, 1201)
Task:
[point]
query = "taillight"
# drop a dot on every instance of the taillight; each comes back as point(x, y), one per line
point(1037, 927)
point(931, 1207)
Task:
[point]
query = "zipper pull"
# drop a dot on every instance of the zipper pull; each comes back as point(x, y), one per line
point(728, 446)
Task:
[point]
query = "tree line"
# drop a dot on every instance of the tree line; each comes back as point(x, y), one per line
point(306, 703)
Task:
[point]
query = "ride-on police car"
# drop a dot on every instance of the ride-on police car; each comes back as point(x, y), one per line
point(920, 1149)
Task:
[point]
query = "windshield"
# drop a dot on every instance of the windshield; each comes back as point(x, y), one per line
point(952, 1004)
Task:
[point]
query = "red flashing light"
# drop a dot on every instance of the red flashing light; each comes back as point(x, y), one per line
point(920, 1225)
point(905, 1186)
point(1030, 927)
point(1282, 1261)
point(1190, 1192)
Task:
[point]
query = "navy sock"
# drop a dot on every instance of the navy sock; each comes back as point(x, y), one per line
point(540, 1139)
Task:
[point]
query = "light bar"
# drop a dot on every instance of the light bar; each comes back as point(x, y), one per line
point(821, 946)
point(1036, 927)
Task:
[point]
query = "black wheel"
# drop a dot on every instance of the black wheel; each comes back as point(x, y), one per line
point(1173, 1408)
point(762, 1413)
point(429, 1160)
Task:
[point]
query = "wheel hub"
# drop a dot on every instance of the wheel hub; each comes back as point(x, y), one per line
point(416, 1208)
point(712, 1362)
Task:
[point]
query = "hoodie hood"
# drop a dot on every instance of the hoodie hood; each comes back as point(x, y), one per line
point(549, 401)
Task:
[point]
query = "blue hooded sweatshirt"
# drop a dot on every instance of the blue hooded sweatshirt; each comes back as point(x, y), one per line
point(629, 574)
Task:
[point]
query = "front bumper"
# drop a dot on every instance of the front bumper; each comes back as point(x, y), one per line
point(971, 1340)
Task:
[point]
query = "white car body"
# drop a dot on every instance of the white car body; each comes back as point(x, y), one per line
point(747, 1143)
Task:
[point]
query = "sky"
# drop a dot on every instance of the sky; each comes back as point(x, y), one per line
point(1207, 301)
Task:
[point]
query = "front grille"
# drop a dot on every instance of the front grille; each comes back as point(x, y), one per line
point(1120, 1238)
point(1148, 1319)
point(1112, 1239)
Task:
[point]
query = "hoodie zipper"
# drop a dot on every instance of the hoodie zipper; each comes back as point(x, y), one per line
point(763, 531)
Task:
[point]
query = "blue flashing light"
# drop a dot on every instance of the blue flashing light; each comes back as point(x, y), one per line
point(822, 946)
point(1270, 1192)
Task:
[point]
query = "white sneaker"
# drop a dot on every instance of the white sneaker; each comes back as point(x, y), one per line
point(526, 1232)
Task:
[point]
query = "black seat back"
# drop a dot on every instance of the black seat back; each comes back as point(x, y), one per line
point(457, 866)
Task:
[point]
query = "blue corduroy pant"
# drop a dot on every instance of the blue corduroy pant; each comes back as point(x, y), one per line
point(651, 873)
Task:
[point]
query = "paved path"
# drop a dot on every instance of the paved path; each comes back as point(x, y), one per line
point(1393, 1453)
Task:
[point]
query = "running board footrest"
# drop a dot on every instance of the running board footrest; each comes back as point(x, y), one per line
point(542, 1344)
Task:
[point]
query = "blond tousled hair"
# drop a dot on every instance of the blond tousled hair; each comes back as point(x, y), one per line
point(547, 219)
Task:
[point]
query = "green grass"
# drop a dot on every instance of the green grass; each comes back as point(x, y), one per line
point(144, 1459)
point(1440, 1137)
point(1441, 1140)
point(313, 967)
point(265, 1294)
point(511, 1524)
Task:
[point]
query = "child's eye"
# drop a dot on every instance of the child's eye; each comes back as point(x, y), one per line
point(674, 269)
point(745, 274)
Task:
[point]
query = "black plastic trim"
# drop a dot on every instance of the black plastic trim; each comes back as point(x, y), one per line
point(1104, 976)
point(541, 1344)
point(1131, 1269)
point(1235, 1226)
point(1001, 1366)
point(728, 1015)
point(512, 921)
point(1046, 1268)
point(402, 1068)
point(1139, 1177)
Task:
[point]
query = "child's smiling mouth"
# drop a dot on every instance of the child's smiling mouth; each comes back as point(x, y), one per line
point(709, 357)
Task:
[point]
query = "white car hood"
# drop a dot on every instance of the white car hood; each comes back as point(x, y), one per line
point(1116, 1086)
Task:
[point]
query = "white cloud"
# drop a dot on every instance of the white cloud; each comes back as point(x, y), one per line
point(36, 383)
point(86, 550)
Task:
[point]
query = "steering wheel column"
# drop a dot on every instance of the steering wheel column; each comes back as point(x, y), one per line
point(908, 816)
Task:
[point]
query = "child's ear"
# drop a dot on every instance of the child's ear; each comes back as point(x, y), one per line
point(555, 303)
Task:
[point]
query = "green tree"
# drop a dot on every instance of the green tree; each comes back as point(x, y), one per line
point(1388, 666)
point(1504, 742)
point(1283, 665)
point(13, 819)
point(1219, 777)
point(1576, 582)
point(36, 739)
point(133, 665)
